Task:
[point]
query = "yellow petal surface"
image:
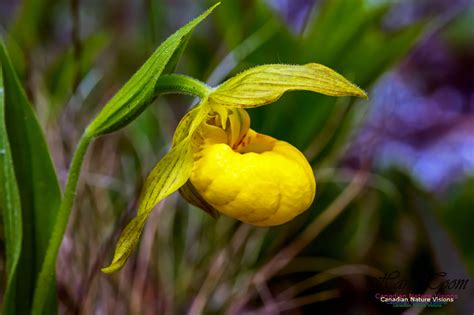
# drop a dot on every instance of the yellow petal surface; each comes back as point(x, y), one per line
point(262, 182)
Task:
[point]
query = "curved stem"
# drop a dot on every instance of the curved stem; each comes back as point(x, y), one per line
point(46, 279)
point(179, 83)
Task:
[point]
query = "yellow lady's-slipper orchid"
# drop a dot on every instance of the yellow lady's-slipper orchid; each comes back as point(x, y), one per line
point(249, 176)
point(222, 166)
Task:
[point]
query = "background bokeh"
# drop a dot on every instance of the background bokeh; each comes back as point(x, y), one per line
point(395, 172)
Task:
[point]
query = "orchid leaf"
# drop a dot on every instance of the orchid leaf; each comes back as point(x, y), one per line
point(38, 189)
point(11, 210)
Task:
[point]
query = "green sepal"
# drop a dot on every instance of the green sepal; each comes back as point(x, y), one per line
point(265, 84)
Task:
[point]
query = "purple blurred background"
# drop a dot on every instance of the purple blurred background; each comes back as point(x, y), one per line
point(422, 115)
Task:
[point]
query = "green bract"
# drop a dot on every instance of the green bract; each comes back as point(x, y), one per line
point(143, 87)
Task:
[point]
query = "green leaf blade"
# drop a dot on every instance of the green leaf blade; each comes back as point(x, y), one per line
point(37, 183)
point(11, 210)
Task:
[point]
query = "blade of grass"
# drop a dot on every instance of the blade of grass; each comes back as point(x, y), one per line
point(11, 210)
point(37, 183)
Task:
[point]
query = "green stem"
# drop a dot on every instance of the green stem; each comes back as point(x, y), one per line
point(46, 279)
point(179, 83)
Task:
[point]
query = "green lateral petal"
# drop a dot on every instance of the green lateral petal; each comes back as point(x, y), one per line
point(169, 175)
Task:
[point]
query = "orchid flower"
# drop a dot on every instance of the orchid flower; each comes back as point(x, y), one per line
point(221, 165)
